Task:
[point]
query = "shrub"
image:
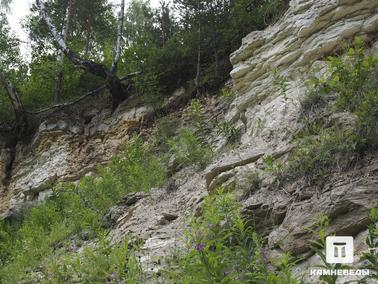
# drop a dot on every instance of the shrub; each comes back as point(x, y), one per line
point(255, 182)
point(320, 227)
point(280, 82)
point(315, 157)
point(229, 131)
point(166, 129)
point(369, 258)
point(190, 150)
point(227, 95)
point(101, 264)
point(197, 115)
point(222, 248)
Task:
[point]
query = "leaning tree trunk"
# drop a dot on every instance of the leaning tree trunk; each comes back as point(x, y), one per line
point(59, 56)
point(22, 125)
point(98, 69)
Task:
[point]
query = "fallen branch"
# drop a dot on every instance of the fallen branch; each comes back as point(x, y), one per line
point(91, 93)
point(64, 105)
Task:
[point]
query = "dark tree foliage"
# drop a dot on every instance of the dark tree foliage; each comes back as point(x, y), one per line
point(179, 42)
point(191, 39)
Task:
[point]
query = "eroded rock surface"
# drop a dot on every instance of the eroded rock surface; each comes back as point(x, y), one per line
point(63, 150)
point(296, 45)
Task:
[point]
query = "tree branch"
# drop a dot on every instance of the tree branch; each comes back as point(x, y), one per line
point(91, 93)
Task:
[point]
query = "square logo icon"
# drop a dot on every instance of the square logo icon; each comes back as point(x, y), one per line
point(339, 250)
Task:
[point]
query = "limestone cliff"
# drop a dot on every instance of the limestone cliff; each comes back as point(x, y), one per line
point(296, 46)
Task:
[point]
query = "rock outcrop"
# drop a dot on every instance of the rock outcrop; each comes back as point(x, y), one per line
point(296, 47)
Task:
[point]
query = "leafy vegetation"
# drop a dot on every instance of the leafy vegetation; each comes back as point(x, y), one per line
point(222, 248)
point(188, 149)
point(165, 43)
point(321, 225)
point(327, 142)
point(255, 182)
point(72, 216)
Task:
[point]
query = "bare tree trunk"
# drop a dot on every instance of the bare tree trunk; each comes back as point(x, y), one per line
point(114, 83)
point(88, 38)
point(14, 97)
point(117, 48)
point(198, 74)
point(59, 56)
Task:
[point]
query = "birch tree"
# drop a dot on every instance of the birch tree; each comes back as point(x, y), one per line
point(59, 56)
point(109, 74)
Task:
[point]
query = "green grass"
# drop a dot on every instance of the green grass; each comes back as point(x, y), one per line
point(73, 215)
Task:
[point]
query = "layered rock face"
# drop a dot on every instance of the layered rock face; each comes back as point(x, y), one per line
point(267, 115)
point(295, 47)
point(63, 149)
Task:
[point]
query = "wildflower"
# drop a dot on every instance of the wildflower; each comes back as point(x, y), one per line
point(226, 273)
point(200, 247)
point(266, 260)
point(114, 275)
point(264, 257)
point(74, 248)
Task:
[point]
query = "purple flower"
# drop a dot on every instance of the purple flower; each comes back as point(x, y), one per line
point(74, 248)
point(225, 274)
point(114, 275)
point(263, 255)
point(199, 233)
point(200, 247)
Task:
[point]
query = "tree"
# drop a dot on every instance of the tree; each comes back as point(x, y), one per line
point(88, 27)
point(192, 16)
point(165, 23)
point(5, 4)
point(10, 61)
point(59, 56)
point(109, 74)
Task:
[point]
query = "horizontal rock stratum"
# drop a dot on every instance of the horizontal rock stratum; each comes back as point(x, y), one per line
point(296, 47)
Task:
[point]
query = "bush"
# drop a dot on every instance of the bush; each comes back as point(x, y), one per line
point(315, 157)
point(222, 248)
point(255, 182)
point(371, 256)
point(166, 129)
point(190, 150)
point(227, 95)
point(102, 264)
